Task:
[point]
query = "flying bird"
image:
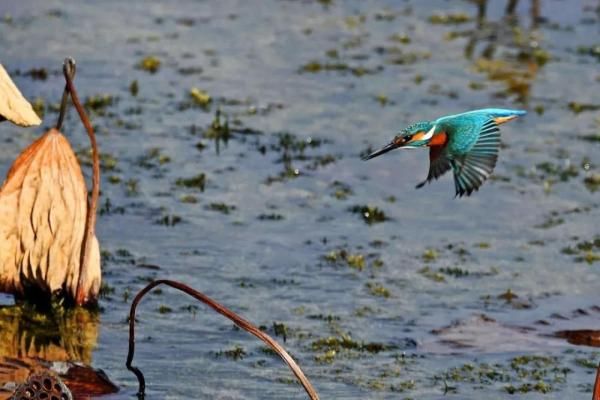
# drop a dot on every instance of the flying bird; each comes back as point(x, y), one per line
point(468, 143)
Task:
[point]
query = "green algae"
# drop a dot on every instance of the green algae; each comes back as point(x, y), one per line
point(333, 347)
point(200, 97)
point(370, 214)
point(164, 309)
point(153, 158)
point(450, 19)
point(149, 64)
point(39, 106)
point(343, 257)
point(341, 190)
point(132, 187)
point(433, 275)
point(169, 220)
point(430, 255)
point(378, 290)
point(587, 251)
point(194, 182)
point(134, 88)
point(221, 207)
point(236, 353)
point(522, 374)
point(271, 217)
point(578, 107)
point(592, 182)
point(98, 104)
point(314, 67)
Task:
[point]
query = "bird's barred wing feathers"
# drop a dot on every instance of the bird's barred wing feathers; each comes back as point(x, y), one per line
point(473, 168)
point(438, 164)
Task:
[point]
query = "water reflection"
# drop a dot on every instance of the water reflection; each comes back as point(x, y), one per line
point(33, 341)
point(506, 50)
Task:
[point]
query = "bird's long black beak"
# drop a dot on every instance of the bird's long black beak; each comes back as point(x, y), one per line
point(381, 151)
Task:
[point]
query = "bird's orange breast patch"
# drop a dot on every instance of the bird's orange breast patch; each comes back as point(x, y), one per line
point(439, 139)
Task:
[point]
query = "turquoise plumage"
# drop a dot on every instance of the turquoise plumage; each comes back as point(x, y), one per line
point(467, 143)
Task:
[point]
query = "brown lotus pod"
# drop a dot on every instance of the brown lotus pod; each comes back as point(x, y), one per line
point(13, 106)
point(43, 206)
point(43, 385)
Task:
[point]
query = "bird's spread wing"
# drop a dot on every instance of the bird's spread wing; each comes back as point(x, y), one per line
point(473, 168)
point(438, 164)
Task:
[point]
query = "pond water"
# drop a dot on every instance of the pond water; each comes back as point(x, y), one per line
point(436, 297)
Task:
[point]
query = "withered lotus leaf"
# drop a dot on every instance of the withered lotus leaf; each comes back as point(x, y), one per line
point(43, 205)
point(13, 106)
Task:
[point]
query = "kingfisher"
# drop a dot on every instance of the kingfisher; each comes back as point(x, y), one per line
point(468, 143)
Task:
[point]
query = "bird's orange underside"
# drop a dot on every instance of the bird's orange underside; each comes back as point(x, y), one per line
point(439, 139)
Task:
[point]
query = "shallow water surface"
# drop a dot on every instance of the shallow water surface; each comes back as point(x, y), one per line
point(445, 297)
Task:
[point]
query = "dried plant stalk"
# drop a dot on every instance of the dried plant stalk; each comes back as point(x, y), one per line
point(13, 106)
point(43, 206)
point(238, 320)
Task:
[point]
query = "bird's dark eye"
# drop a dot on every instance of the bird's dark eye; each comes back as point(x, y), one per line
point(407, 138)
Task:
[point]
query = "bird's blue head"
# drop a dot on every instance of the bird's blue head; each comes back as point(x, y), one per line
point(416, 135)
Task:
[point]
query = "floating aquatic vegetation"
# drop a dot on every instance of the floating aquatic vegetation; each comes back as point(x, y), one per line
point(39, 106)
point(236, 353)
point(450, 18)
point(164, 309)
point(430, 255)
point(370, 214)
point(550, 222)
point(352, 260)
point(271, 217)
point(99, 103)
point(149, 64)
point(433, 275)
point(592, 182)
point(578, 107)
point(400, 38)
point(169, 220)
point(200, 97)
point(134, 88)
point(190, 70)
point(153, 158)
point(108, 162)
point(314, 67)
point(294, 149)
point(593, 51)
point(194, 182)
point(382, 99)
point(132, 187)
point(378, 290)
point(218, 131)
point(189, 199)
point(593, 137)
point(523, 374)
point(341, 190)
point(585, 251)
point(221, 207)
point(40, 74)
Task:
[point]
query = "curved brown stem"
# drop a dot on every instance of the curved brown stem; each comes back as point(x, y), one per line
point(239, 321)
point(64, 103)
point(82, 297)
